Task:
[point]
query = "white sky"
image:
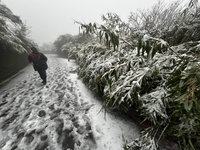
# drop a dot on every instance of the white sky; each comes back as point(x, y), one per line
point(47, 19)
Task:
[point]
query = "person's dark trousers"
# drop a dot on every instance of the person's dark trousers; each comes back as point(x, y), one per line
point(43, 75)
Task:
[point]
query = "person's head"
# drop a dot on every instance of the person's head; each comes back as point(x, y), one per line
point(34, 50)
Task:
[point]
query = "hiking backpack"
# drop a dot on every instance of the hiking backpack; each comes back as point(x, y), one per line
point(35, 57)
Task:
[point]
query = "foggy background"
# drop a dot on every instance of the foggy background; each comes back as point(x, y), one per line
point(47, 19)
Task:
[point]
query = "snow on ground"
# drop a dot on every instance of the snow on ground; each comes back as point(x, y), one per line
point(63, 114)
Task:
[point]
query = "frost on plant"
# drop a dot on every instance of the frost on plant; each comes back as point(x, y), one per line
point(149, 65)
point(144, 142)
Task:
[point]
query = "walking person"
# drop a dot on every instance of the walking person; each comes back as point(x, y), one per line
point(39, 61)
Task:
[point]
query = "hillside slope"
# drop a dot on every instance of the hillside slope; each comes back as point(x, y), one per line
point(13, 43)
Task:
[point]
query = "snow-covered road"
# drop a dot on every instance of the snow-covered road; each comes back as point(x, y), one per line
point(61, 115)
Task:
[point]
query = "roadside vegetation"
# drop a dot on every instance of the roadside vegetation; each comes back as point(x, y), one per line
point(150, 64)
point(14, 43)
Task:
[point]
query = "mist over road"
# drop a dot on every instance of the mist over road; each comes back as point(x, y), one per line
point(63, 114)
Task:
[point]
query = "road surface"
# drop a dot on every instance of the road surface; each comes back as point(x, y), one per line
point(61, 115)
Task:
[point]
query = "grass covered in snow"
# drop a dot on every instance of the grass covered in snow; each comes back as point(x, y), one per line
point(151, 65)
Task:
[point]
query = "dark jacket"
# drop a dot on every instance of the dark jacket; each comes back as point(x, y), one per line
point(39, 60)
